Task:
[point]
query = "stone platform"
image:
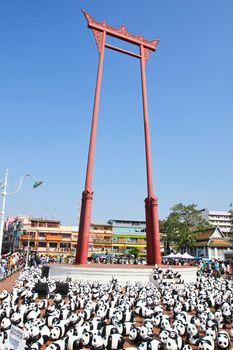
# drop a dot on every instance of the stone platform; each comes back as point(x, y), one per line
point(123, 273)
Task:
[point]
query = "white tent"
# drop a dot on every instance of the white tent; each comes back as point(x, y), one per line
point(171, 255)
point(187, 256)
point(178, 256)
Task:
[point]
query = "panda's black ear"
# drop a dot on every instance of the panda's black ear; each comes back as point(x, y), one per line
point(192, 320)
point(161, 346)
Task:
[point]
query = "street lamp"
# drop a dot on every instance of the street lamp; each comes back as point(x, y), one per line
point(4, 193)
point(27, 253)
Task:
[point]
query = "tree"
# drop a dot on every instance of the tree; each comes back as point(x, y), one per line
point(178, 230)
point(168, 229)
point(134, 251)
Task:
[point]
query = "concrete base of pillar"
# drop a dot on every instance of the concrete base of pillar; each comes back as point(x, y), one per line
point(123, 273)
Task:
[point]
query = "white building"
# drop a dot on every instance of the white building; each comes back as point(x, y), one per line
point(222, 219)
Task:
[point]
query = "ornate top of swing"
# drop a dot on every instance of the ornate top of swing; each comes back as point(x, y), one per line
point(120, 33)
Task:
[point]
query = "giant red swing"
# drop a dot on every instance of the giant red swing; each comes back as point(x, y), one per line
point(101, 30)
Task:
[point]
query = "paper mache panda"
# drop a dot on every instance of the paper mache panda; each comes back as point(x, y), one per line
point(223, 340)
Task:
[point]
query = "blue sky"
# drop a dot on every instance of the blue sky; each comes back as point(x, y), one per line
point(48, 65)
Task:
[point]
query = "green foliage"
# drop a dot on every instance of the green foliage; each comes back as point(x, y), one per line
point(134, 251)
point(178, 229)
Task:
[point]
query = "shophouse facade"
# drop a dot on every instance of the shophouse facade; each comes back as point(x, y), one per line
point(49, 237)
point(100, 240)
point(128, 234)
point(43, 236)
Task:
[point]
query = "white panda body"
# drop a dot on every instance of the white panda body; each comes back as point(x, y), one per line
point(74, 343)
point(150, 345)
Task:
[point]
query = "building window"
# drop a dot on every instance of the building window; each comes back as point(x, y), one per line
point(53, 245)
point(42, 244)
point(65, 245)
point(52, 225)
point(32, 244)
point(41, 235)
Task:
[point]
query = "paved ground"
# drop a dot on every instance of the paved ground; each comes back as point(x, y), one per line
point(9, 282)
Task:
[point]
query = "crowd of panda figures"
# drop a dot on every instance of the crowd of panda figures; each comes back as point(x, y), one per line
point(113, 316)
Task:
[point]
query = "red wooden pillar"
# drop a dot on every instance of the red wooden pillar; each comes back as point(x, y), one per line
point(87, 195)
point(151, 203)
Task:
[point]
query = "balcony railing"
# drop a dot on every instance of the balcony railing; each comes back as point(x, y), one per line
point(53, 238)
point(26, 237)
point(102, 241)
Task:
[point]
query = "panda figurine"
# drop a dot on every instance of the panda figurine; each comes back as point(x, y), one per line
point(74, 343)
point(58, 345)
point(114, 341)
point(145, 335)
point(134, 334)
point(175, 339)
point(16, 319)
point(206, 343)
point(125, 316)
point(148, 323)
point(219, 318)
point(223, 340)
point(192, 334)
point(94, 323)
point(87, 314)
point(32, 313)
point(58, 301)
point(109, 329)
point(35, 337)
point(226, 313)
point(125, 328)
point(87, 337)
point(97, 343)
point(231, 331)
point(59, 330)
point(65, 314)
point(4, 335)
point(5, 324)
point(164, 335)
point(76, 320)
point(5, 296)
point(151, 345)
point(43, 304)
point(187, 347)
point(212, 331)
